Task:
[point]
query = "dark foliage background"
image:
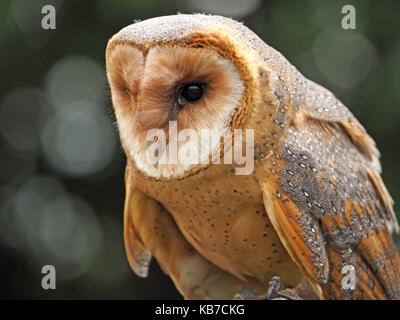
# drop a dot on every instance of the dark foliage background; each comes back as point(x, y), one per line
point(61, 165)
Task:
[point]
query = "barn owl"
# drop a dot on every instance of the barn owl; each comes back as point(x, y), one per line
point(312, 208)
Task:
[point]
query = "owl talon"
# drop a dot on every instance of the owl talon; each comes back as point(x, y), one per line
point(276, 291)
point(273, 287)
point(303, 291)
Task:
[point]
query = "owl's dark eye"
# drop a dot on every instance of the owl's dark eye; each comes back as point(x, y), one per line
point(192, 92)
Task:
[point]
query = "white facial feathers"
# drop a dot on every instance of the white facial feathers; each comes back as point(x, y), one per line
point(144, 92)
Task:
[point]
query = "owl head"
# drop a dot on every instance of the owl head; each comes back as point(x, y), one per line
point(194, 71)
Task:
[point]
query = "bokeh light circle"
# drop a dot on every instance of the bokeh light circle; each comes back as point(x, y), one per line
point(344, 58)
point(78, 141)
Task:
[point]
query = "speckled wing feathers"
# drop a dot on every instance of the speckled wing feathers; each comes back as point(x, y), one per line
point(329, 197)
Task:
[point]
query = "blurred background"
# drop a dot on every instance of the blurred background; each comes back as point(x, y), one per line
point(61, 164)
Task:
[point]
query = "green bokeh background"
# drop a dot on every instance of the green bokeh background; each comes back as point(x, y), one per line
point(361, 67)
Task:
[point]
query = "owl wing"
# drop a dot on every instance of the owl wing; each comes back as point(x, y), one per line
point(139, 256)
point(149, 227)
point(324, 195)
